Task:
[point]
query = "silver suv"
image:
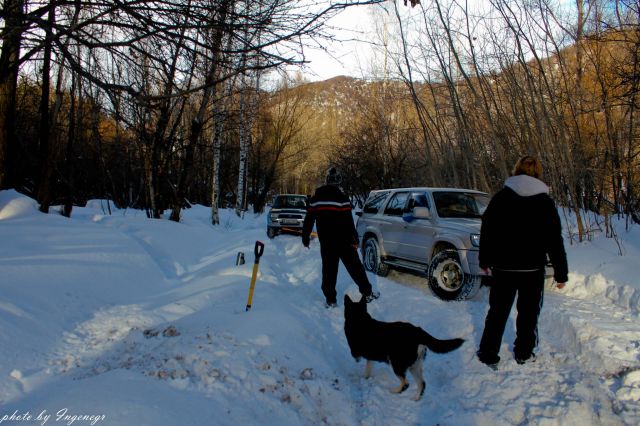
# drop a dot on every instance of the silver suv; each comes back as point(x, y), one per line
point(287, 214)
point(430, 230)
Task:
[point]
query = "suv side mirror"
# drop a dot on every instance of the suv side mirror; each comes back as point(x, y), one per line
point(408, 217)
point(421, 213)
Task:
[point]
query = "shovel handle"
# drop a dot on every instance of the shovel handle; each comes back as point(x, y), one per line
point(258, 250)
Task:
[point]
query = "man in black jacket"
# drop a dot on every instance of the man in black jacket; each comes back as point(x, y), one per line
point(330, 210)
point(520, 228)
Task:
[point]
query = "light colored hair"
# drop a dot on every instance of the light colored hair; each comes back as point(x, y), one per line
point(528, 165)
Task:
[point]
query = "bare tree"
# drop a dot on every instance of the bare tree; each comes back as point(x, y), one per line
point(279, 145)
point(121, 34)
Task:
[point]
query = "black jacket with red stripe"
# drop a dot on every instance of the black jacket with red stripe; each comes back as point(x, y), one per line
point(330, 210)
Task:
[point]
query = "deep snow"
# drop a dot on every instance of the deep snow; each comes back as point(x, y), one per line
point(122, 320)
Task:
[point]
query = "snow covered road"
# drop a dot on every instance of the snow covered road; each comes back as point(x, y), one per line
point(143, 322)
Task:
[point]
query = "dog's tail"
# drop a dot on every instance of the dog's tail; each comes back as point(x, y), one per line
point(440, 346)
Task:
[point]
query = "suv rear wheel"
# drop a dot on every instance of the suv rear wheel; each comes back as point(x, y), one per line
point(447, 280)
point(371, 258)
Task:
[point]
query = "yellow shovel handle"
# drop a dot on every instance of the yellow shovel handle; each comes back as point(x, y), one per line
point(258, 250)
point(253, 285)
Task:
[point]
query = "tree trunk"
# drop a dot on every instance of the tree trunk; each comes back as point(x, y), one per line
point(13, 12)
point(183, 179)
point(580, 96)
point(46, 152)
point(215, 181)
point(68, 203)
point(244, 150)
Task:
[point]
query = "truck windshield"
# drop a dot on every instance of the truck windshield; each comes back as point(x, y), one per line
point(460, 204)
point(290, 202)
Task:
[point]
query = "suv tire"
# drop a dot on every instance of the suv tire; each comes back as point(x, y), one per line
point(371, 258)
point(447, 280)
point(271, 232)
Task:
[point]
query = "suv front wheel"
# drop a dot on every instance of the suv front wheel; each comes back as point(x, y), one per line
point(271, 232)
point(371, 258)
point(447, 280)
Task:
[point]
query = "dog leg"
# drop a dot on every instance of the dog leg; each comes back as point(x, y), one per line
point(404, 384)
point(416, 372)
point(400, 370)
point(367, 369)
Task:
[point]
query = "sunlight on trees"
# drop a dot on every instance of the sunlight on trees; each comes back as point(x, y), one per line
point(164, 104)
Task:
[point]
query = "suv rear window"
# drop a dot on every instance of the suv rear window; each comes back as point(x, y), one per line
point(374, 202)
point(290, 201)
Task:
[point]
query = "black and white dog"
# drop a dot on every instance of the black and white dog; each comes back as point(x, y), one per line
point(401, 344)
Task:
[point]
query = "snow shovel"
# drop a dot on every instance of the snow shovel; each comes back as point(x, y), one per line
point(258, 250)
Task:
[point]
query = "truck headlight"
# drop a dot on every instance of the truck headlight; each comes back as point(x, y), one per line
point(475, 240)
point(274, 217)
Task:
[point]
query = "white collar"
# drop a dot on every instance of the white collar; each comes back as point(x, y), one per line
point(526, 186)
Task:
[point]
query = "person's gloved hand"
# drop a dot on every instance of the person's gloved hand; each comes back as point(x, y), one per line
point(305, 240)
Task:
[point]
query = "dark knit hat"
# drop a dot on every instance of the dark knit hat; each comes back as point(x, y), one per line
point(333, 177)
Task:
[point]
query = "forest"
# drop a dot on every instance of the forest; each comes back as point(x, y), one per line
point(159, 105)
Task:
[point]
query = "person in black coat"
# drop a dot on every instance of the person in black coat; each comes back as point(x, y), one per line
point(520, 228)
point(330, 210)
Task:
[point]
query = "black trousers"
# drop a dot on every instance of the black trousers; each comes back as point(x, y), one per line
point(331, 255)
point(529, 288)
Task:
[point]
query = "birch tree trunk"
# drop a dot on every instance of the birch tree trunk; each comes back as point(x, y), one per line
point(245, 131)
point(215, 181)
